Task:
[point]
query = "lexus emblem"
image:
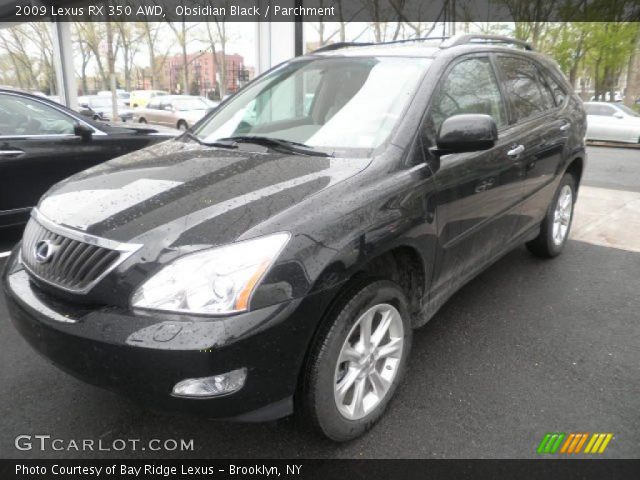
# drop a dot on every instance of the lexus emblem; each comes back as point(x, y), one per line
point(43, 251)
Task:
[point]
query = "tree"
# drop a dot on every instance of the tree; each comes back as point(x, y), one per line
point(15, 40)
point(149, 32)
point(129, 40)
point(219, 57)
point(93, 34)
point(181, 31)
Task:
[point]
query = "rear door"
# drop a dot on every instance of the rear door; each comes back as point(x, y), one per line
point(152, 111)
point(166, 114)
point(540, 127)
point(478, 192)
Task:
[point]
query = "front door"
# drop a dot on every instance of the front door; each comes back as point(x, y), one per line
point(38, 148)
point(478, 192)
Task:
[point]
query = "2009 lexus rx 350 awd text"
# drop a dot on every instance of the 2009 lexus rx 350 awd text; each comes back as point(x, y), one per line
point(278, 255)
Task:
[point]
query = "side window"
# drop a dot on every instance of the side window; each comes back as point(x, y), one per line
point(30, 117)
point(153, 104)
point(167, 105)
point(547, 95)
point(559, 94)
point(523, 86)
point(470, 87)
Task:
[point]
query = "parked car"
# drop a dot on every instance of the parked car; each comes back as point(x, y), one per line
point(177, 111)
point(123, 96)
point(99, 107)
point(612, 122)
point(42, 142)
point(274, 253)
point(140, 98)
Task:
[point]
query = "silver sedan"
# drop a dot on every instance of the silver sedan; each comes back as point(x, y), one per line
point(177, 111)
point(612, 122)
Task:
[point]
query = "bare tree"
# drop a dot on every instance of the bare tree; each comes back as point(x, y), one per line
point(150, 32)
point(111, 64)
point(44, 45)
point(85, 57)
point(92, 34)
point(219, 56)
point(15, 42)
point(129, 40)
point(181, 31)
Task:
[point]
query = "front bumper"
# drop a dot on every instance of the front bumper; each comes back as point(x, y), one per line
point(144, 355)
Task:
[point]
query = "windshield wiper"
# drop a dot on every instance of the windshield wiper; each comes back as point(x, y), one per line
point(221, 144)
point(289, 146)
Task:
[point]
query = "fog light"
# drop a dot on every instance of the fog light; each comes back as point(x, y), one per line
point(222, 384)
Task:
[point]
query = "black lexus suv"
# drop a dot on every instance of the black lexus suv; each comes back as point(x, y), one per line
point(278, 255)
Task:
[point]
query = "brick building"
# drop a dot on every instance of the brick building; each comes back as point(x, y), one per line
point(203, 75)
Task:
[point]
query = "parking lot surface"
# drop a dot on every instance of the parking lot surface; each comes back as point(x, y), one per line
point(528, 347)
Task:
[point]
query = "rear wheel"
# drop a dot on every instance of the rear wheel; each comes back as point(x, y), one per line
point(143, 120)
point(182, 125)
point(358, 361)
point(556, 225)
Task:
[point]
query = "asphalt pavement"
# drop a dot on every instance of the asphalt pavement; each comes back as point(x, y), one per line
point(530, 346)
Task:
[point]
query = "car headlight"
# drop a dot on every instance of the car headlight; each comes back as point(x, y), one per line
point(218, 280)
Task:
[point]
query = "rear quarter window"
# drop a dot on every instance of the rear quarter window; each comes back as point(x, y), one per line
point(527, 93)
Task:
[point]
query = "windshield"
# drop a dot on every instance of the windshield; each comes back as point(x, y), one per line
point(628, 111)
point(345, 106)
point(190, 104)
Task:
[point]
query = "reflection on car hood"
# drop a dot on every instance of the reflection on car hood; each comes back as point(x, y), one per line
point(186, 194)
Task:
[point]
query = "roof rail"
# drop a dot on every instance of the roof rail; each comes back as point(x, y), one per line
point(481, 38)
point(339, 45)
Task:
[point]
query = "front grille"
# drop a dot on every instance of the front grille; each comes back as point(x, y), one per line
point(71, 264)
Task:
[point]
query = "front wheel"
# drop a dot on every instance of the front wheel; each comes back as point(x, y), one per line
point(357, 361)
point(556, 225)
point(143, 120)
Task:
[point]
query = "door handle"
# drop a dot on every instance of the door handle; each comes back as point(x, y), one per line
point(565, 126)
point(11, 153)
point(515, 151)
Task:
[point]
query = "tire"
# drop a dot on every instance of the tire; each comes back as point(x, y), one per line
point(142, 120)
point(550, 242)
point(342, 420)
point(182, 126)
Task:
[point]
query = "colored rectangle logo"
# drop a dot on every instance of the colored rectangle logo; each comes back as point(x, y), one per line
point(574, 443)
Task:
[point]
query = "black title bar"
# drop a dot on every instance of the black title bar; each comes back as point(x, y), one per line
point(319, 469)
point(412, 11)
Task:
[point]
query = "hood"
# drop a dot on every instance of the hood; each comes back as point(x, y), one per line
point(182, 193)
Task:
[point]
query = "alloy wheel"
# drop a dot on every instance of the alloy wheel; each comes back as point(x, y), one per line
point(369, 361)
point(562, 215)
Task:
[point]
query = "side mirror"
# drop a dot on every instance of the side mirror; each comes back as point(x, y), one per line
point(83, 131)
point(618, 115)
point(466, 133)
